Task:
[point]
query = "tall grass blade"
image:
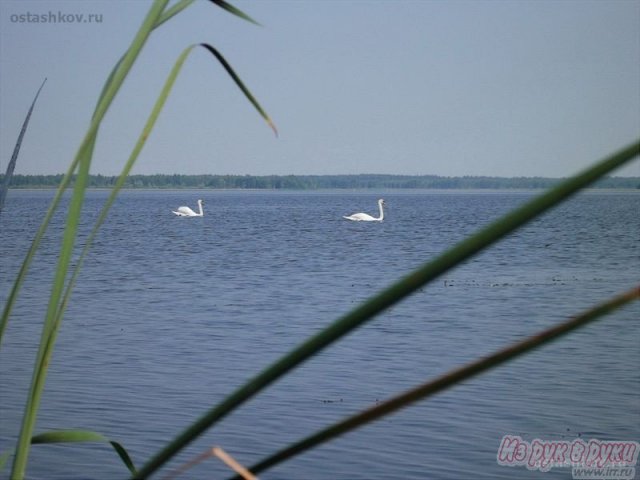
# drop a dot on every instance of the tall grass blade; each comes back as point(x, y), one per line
point(240, 85)
point(14, 156)
point(164, 17)
point(234, 11)
point(83, 159)
point(448, 380)
point(17, 284)
point(395, 293)
point(173, 11)
point(84, 436)
point(77, 436)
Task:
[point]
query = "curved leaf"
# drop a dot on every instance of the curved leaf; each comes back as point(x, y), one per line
point(244, 89)
point(14, 156)
point(84, 436)
point(233, 10)
point(76, 436)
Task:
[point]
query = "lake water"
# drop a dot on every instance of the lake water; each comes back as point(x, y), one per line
point(172, 314)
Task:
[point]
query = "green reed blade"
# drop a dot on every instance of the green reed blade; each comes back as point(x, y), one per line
point(240, 85)
point(8, 307)
point(445, 381)
point(173, 11)
point(395, 293)
point(166, 15)
point(48, 331)
point(235, 11)
point(84, 436)
point(83, 159)
point(4, 188)
point(76, 436)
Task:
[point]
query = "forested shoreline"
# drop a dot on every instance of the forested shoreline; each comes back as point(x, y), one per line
point(317, 182)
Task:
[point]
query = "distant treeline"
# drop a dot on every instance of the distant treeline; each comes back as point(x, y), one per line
point(316, 182)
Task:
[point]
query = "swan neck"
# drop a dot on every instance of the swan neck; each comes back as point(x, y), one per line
point(381, 217)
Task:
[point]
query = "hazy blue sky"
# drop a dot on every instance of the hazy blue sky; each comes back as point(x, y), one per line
point(507, 88)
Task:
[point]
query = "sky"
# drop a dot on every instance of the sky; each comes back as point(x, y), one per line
point(415, 87)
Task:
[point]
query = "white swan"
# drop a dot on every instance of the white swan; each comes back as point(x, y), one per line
point(364, 217)
point(187, 212)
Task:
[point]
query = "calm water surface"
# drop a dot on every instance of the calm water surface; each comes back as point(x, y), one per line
point(172, 314)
